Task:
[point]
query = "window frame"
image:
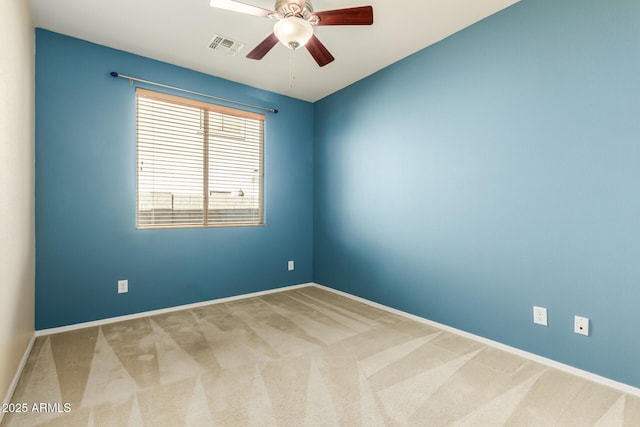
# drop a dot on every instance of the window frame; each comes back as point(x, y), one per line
point(208, 107)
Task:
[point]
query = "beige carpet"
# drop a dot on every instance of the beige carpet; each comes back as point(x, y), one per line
point(304, 357)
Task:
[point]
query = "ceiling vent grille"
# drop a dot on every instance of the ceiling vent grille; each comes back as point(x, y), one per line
point(224, 45)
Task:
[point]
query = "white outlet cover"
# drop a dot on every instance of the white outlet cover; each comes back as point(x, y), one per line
point(290, 265)
point(581, 325)
point(123, 286)
point(539, 315)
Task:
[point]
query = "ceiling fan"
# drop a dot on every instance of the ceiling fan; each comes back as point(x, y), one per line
point(295, 22)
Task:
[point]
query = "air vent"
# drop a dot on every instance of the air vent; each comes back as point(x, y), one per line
point(224, 45)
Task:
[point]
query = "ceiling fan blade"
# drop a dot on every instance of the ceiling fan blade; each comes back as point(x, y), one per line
point(320, 53)
point(352, 16)
point(237, 6)
point(263, 48)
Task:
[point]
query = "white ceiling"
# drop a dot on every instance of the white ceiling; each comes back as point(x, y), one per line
point(179, 32)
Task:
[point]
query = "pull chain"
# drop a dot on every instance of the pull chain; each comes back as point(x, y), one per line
point(292, 75)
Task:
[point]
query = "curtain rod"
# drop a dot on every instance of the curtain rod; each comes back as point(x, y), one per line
point(132, 79)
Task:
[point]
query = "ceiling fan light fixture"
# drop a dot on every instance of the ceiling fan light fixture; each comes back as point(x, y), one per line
point(293, 32)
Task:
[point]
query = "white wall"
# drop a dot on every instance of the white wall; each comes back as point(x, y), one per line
point(17, 188)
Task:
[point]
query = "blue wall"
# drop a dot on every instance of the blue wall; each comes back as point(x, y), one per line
point(496, 170)
point(85, 194)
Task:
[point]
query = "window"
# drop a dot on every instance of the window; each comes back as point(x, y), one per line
point(198, 164)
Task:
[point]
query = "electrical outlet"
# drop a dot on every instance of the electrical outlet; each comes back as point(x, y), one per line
point(123, 286)
point(540, 315)
point(581, 325)
point(290, 265)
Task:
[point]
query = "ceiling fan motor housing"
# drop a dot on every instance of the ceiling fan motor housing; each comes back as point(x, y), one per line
point(300, 8)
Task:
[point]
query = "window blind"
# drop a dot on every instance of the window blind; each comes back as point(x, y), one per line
point(198, 164)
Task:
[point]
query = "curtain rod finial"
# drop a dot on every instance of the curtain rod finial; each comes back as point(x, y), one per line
point(113, 74)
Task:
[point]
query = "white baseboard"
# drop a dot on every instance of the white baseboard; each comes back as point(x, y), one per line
point(625, 388)
point(16, 377)
point(51, 331)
